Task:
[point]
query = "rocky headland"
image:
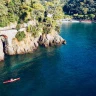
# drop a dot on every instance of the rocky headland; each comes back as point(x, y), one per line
point(11, 46)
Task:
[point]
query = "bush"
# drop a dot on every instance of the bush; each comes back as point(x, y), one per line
point(18, 27)
point(28, 29)
point(35, 30)
point(46, 29)
point(57, 28)
point(11, 17)
point(3, 21)
point(20, 35)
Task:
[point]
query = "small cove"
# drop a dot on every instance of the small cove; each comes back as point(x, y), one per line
point(67, 70)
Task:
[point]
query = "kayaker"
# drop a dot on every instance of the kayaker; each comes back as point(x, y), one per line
point(11, 79)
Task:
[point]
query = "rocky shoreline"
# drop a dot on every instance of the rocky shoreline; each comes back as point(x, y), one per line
point(29, 44)
point(1, 51)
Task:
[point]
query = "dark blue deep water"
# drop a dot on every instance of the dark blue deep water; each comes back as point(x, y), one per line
point(67, 70)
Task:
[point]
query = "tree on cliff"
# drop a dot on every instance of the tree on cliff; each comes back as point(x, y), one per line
point(3, 8)
point(3, 13)
point(22, 11)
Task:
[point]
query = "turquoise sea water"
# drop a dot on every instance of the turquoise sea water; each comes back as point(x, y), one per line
point(67, 70)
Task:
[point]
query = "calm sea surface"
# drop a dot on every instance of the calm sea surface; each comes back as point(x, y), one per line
point(67, 70)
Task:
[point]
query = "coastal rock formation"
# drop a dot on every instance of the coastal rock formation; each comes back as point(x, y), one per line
point(51, 40)
point(1, 51)
point(29, 43)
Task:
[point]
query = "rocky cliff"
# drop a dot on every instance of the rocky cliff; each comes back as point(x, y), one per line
point(1, 51)
point(29, 44)
point(51, 40)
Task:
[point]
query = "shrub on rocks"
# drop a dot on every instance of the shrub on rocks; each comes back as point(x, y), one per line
point(20, 35)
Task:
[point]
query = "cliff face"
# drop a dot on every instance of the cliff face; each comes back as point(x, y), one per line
point(51, 40)
point(29, 44)
point(1, 51)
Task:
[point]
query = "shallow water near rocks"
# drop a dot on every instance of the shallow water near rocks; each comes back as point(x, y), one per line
point(67, 70)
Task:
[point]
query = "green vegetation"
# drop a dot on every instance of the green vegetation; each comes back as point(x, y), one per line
point(34, 30)
point(81, 9)
point(20, 36)
point(18, 27)
point(24, 10)
point(45, 13)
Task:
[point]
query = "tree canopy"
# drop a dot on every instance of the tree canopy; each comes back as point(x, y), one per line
point(23, 10)
point(44, 13)
point(81, 9)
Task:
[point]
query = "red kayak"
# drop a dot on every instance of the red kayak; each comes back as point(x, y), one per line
point(11, 80)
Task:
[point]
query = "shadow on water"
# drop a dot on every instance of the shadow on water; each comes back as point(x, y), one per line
point(12, 63)
point(31, 68)
point(38, 74)
point(5, 74)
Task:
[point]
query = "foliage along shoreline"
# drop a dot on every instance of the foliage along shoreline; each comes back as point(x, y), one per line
point(45, 13)
point(43, 29)
point(81, 9)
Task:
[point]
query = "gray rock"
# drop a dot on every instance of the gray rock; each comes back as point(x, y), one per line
point(51, 40)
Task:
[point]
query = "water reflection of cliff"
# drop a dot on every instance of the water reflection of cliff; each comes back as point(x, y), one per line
point(32, 68)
